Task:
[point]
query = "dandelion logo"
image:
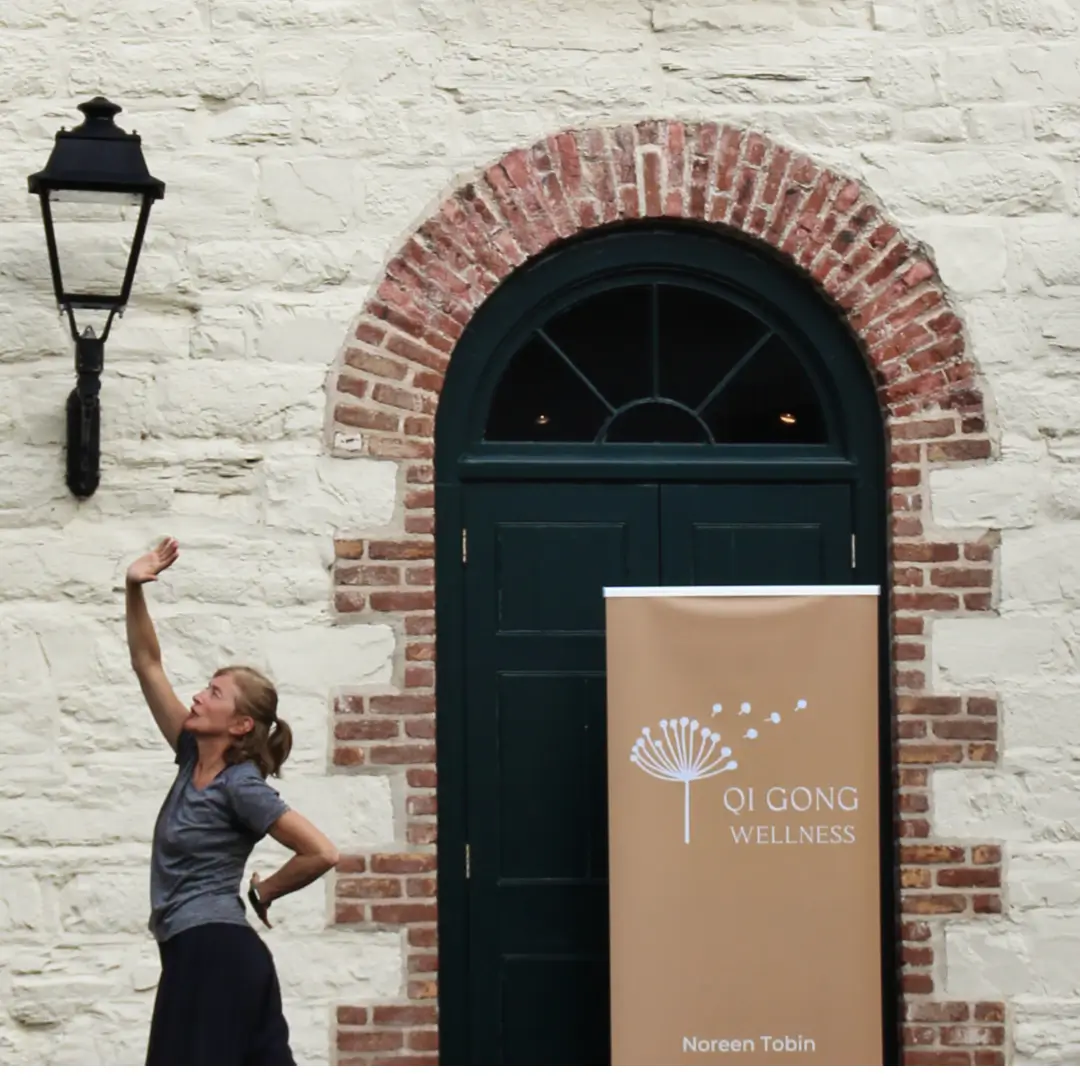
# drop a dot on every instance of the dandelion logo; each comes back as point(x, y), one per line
point(684, 752)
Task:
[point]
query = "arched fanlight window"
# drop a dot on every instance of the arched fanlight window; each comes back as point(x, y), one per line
point(656, 363)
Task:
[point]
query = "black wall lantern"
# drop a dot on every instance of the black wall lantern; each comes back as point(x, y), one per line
point(97, 162)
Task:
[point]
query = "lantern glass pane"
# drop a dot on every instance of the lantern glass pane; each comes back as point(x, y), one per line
point(102, 198)
point(93, 243)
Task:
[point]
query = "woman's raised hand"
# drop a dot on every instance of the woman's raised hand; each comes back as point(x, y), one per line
point(147, 567)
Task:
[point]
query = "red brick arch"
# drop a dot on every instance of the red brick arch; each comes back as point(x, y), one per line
point(383, 403)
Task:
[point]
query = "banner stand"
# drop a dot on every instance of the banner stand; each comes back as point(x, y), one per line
point(744, 836)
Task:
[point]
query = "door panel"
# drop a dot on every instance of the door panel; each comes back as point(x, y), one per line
point(539, 556)
point(755, 534)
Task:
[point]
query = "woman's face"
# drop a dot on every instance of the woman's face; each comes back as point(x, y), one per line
point(213, 710)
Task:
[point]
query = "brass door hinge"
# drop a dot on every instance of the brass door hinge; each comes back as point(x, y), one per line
point(852, 551)
point(464, 545)
point(468, 862)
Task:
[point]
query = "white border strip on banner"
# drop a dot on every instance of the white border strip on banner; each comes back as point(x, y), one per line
point(742, 590)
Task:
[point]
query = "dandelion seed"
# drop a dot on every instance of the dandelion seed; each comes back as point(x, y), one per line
point(745, 708)
point(751, 733)
point(717, 709)
point(774, 718)
point(683, 753)
point(800, 704)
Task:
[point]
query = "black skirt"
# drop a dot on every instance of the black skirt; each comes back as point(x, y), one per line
point(218, 1001)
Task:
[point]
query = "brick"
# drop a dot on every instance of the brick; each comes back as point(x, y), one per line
point(919, 1036)
point(423, 1040)
point(423, 989)
point(403, 863)
point(916, 983)
point(956, 577)
point(986, 854)
point(353, 704)
point(421, 835)
point(966, 729)
point(926, 552)
point(423, 962)
point(925, 705)
point(912, 803)
point(403, 704)
point(359, 1041)
point(348, 757)
point(913, 829)
point(989, 1057)
point(913, 777)
point(977, 706)
point(352, 864)
point(349, 603)
point(929, 754)
point(915, 931)
point(911, 729)
point(960, 450)
point(417, 678)
point(402, 913)
point(930, 853)
point(365, 418)
point(970, 878)
point(404, 550)
point(924, 601)
point(420, 625)
point(988, 904)
point(908, 625)
point(420, 778)
point(917, 957)
point(982, 752)
point(937, 1012)
point(349, 913)
point(351, 1016)
point(933, 904)
point(385, 366)
point(368, 888)
point(973, 1035)
point(407, 1059)
point(349, 549)
point(420, 728)
point(405, 1015)
point(992, 1012)
point(367, 729)
point(423, 937)
point(403, 601)
point(936, 1057)
point(402, 754)
point(367, 575)
point(421, 805)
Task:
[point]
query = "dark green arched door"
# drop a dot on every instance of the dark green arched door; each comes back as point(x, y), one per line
point(651, 406)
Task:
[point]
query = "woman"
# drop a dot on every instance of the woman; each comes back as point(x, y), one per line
point(218, 1001)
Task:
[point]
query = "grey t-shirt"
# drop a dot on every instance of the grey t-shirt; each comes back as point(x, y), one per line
point(202, 841)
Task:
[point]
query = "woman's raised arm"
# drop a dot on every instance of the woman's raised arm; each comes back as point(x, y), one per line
point(168, 710)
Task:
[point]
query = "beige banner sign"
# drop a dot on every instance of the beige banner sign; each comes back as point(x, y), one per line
point(744, 847)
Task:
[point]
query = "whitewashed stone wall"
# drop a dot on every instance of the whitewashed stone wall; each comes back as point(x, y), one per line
point(299, 140)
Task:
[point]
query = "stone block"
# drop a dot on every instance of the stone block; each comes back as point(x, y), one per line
point(1042, 722)
point(997, 495)
point(316, 493)
point(1041, 805)
point(210, 399)
point(356, 812)
point(1046, 1031)
point(1044, 876)
point(310, 195)
point(985, 653)
point(1004, 182)
point(970, 255)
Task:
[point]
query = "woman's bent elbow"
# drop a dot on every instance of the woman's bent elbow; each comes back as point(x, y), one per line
point(331, 857)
